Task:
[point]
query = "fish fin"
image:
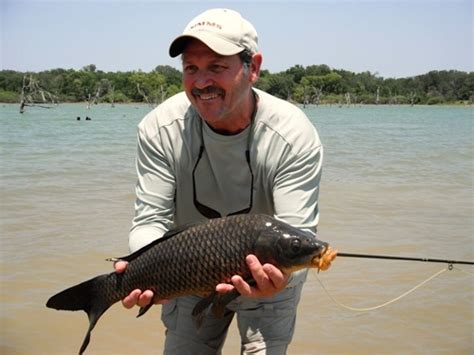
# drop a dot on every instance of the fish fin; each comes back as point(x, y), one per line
point(145, 309)
point(221, 301)
point(199, 310)
point(94, 315)
point(171, 233)
point(82, 297)
point(217, 303)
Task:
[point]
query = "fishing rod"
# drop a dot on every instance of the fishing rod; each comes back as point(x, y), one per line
point(390, 257)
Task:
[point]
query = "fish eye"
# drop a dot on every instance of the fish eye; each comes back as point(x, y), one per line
point(295, 245)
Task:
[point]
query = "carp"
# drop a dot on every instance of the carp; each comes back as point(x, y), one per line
point(192, 260)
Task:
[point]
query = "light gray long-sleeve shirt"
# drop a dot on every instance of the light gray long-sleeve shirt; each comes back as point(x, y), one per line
point(285, 154)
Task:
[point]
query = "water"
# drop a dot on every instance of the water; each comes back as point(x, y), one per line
point(397, 180)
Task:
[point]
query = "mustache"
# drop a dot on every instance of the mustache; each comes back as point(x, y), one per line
point(207, 90)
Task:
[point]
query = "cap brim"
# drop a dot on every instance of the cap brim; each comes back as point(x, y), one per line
point(217, 44)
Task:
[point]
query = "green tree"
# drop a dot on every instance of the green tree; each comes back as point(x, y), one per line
point(281, 85)
point(315, 83)
point(151, 86)
point(297, 72)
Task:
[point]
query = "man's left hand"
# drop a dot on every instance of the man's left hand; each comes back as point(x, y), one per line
point(269, 280)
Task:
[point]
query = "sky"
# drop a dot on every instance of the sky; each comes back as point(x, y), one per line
point(400, 38)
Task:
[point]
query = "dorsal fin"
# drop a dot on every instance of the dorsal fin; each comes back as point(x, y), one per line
point(171, 233)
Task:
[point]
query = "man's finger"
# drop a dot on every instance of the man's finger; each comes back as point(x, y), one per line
point(145, 298)
point(120, 266)
point(224, 288)
point(258, 273)
point(241, 286)
point(277, 278)
point(132, 299)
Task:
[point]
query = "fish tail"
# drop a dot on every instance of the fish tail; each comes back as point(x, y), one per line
point(82, 297)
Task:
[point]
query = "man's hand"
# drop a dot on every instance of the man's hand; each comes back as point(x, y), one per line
point(136, 297)
point(269, 280)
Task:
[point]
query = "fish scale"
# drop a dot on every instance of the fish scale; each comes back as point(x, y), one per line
point(192, 260)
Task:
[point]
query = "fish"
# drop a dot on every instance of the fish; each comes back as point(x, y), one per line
point(192, 260)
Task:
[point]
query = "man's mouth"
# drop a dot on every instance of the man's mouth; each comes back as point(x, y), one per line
point(207, 94)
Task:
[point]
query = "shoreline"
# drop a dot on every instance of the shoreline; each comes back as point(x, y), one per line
point(457, 105)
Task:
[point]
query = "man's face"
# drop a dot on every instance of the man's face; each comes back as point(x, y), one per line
point(219, 87)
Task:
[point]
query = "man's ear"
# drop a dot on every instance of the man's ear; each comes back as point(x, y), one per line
point(255, 67)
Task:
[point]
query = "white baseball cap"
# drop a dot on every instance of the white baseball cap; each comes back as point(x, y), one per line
point(225, 31)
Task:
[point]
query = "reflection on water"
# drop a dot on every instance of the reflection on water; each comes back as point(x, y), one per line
point(397, 180)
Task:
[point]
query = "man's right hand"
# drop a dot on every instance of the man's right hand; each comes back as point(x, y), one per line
point(136, 297)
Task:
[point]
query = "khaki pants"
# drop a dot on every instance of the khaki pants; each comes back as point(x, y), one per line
point(266, 325)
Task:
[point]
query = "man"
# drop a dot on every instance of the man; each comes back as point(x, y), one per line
point(222, 148)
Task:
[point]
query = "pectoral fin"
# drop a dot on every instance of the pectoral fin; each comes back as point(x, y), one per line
point(215, 303)
point(199, 310)
point(221, 301)
point(145, 309)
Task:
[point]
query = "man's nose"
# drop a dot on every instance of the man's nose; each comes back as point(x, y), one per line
point(203, 80)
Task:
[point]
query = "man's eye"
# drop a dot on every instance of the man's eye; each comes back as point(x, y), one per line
point(190, 69)
point(217, 68)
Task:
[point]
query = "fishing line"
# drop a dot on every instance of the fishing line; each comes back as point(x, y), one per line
point(366, 309)
point(464, 271)
point(390, 257)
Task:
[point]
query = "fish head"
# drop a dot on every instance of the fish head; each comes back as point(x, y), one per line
point(289, 248)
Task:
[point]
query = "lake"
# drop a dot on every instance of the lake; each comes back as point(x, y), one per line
point(397, 180)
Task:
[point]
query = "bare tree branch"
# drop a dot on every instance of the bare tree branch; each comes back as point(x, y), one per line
point(32, 94)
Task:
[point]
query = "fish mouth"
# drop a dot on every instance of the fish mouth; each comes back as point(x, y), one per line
point(315, 261)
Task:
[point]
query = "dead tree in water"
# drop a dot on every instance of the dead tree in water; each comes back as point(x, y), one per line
point(305, 97)
point(92, 100)
point(318, 92)
point(412, 98)
point(348, 98)
point(391, 99)
point(98, 91)
point(112, 95)
point(312, 96)
point(32, 94)
point(143, 93)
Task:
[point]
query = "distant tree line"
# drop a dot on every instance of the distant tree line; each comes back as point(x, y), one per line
point(314, 84)
point(319, 84)
point(91, 85)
